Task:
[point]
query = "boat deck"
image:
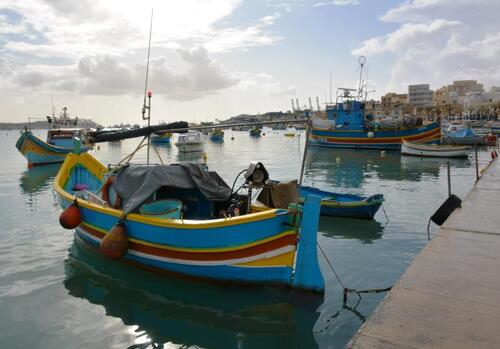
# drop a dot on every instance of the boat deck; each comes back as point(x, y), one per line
point(450, 295)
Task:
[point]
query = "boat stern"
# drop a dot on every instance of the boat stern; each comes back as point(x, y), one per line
point(307, 275)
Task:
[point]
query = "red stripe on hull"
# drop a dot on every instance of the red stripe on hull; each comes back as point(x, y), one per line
point(381, 140)
point(205, 256)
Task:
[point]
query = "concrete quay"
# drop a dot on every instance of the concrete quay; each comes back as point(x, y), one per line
point(449, 297)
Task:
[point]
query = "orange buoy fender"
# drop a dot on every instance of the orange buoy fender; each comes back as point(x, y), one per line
point(114, 244)
point(71, 217)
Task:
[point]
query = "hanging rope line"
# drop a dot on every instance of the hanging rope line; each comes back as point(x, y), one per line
point(331, 266)
point(385, 214)
point(158, 154)
point(347, 290)
point(129, 157)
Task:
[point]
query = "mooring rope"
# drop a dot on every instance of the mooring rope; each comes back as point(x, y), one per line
point(347, 290)
point(331, 266)
point(131, 155)
point(157, 153)
point(385, 214)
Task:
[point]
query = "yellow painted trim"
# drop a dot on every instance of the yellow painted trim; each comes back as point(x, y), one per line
point(182, 249)
point(283, 260)
point(394, 139)
point(98, 169)
point(363, 131)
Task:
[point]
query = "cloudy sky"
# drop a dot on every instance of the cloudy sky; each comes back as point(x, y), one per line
point(218, 58)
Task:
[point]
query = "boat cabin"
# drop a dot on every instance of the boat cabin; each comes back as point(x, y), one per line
point(190, 137)
point(347, 112)
point(62, 137)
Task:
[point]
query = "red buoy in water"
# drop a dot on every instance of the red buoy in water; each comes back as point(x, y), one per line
point(71, 217)
point(115, 244)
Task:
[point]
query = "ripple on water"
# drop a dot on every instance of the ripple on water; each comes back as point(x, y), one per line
point(47, 303)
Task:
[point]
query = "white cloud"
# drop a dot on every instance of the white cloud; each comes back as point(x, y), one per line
point(97, 47)
point(193, 75)
point(438, 41)
point(337, 3)
point(265, 83)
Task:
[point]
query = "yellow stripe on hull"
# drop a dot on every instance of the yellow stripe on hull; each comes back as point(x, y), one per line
point(284, 260)
point(202, 250)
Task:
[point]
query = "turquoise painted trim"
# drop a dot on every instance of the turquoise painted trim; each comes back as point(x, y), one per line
point(160, 140)
point(307, 271)
point(217, 237)
point(54, 153)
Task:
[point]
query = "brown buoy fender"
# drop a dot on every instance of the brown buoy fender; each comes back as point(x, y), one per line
point(105, 194)
point(71, 217)
point(114, 244)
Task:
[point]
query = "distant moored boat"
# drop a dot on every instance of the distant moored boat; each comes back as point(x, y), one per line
point(60, 141)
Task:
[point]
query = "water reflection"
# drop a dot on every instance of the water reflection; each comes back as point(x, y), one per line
point(351, 168)
point(38, 178)
point(189, 157)
point(366, 231)
point(192, 313)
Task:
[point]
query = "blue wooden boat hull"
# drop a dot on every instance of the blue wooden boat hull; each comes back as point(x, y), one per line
point(386, 139)
point(38, 152)
point(217, 138)
point(255, 248)
point(345, 205)
point(160, 140)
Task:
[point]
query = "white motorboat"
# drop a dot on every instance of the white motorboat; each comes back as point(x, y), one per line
point(190, 142)
point(434, 150)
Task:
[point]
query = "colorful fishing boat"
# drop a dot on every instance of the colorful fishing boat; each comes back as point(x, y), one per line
point(161, 137)
point(349, 126)
point(61, 140)
point(183, 219)
point(290, 132)
point(345, 205)
point(255, 132)
point(217, 135)
point(434, 150)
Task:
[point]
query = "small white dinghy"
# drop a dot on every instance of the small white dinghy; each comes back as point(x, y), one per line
point(434, 150)
point(190, 142)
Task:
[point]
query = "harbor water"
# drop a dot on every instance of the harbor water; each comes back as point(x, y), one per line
point(55, 294)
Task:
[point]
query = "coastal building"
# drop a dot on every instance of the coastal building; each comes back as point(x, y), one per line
point(394, 105)
point(459, 92)
point(420, 95)
point(464, 88)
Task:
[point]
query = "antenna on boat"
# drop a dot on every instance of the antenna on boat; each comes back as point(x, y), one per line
point(53, 107)
point(146, 93)
point(362, 61)
point(330, 86)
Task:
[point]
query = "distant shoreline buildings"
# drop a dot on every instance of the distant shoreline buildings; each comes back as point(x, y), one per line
point(461, 98)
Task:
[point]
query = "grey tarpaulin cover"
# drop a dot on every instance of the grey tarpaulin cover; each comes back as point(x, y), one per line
point(136, 183)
